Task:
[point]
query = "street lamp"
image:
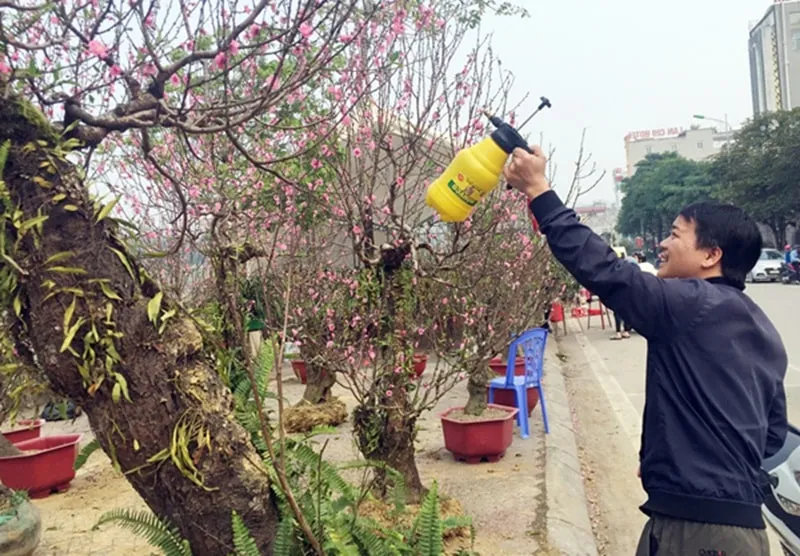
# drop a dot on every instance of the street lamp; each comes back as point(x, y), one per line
point(725, 121)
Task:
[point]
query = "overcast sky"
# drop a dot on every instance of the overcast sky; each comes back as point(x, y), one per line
point(615, 66)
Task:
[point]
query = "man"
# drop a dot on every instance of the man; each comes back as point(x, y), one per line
point(715, 403)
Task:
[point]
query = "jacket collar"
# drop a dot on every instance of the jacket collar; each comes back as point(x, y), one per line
point(726, 282)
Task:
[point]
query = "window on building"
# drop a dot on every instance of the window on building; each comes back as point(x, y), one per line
point(796, 41)
point(794, 19)
point(700, 145)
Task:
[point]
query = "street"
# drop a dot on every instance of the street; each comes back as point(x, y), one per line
point(617, 368)
point(625, 360)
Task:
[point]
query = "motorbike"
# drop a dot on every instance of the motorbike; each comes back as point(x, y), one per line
point(790, 273)
point(781, 484)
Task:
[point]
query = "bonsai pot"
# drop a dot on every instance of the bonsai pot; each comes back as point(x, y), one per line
point(19, 536)
point(46, 465)
point(499, 366)
point(299, 368)
point(479, 439)
point(507, 398)
point(420, 362)
point(27, 429)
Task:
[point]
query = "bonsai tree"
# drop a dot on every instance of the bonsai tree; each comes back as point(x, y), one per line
point(77, 78)
point(384, 253)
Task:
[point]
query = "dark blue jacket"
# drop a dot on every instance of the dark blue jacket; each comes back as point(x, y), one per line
point(714, 400)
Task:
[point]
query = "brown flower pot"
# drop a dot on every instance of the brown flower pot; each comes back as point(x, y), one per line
point(479, 439)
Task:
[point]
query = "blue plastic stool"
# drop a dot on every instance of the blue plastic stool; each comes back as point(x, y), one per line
point(533, 343)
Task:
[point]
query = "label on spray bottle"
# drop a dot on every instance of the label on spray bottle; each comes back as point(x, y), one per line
point(464, 194)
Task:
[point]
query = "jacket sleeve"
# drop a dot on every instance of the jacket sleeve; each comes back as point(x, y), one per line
point(778, 424)
point(654, 307)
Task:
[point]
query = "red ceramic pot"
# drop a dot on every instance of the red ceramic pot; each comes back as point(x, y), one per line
point(480, 440)
point(499, 366)
point(46, 465)
point(420, 362)
point(299, 368)
point(508, 399)
point(557, 312)
point(28, 429)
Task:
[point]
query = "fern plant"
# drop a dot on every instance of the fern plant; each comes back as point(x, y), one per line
point(159, 534)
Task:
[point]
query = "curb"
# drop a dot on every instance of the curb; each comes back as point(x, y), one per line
point(569, 530)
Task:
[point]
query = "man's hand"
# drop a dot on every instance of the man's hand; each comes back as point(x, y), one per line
point(526, 172)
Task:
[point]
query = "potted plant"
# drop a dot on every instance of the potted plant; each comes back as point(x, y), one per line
point(20, 523)
point(25, 429)
point(42, 465)
point(508, 268)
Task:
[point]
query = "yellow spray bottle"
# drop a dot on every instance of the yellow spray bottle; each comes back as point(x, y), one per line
point(475, 171)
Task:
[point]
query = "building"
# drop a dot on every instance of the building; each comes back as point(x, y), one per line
point(775, 58)
point(694, 143)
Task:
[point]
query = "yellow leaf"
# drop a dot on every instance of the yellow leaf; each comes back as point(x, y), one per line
point(59, 257)
point(124, 261)
point(70, 334)
point(116, 392)
point(17, 305)
point(107, 209)
point(109, 293)
point(123, 384)
point(69, 312)
point(66, 270)
point(136, 446)
point(154, 306)
point(60, 197)
point(40, 181)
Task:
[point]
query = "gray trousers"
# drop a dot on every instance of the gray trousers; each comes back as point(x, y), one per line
point(664, 536)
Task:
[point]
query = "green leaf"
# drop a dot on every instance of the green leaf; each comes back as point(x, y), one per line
point(66, 270)
point(107, 209)
point(69, 312)
point(154, 306)
point(59, 197)
point(17, 305)
point(123, 385)
point(84, 454)
point(124, 261)
point(109, 293)
point(71, 334)
point(70, 208)
point(157, 533)
point(243, 541)
point(59, 257)
point(116, 392)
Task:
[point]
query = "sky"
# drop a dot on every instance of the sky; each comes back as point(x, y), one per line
point(616, 66)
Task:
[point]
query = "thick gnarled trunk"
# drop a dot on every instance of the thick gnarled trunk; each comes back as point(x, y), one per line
point(83, 303)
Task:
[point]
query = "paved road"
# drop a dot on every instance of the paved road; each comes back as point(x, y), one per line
point(625, 360)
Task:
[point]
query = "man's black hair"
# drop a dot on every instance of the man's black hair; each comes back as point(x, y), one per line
point(731, 230)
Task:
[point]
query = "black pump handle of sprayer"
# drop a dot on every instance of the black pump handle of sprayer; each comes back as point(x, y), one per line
point(521, 144)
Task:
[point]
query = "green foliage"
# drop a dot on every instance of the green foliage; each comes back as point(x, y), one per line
point(428, 529)
point(243, 542)
point(662, 186)
point(155, 531)
point(760, 170)
point(85, 452)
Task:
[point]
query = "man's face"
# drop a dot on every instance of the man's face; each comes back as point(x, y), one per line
point(680, 257)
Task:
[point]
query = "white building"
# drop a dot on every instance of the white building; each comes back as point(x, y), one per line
point(774, 47)
point(694, 143)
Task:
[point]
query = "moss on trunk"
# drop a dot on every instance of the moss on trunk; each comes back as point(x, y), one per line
point(94, 321)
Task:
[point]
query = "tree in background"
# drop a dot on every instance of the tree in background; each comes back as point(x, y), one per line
point(760, 170)
point(661, 186)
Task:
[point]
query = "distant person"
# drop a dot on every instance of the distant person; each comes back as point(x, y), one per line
point(715, 404)
point(623, 328)
point(787, 254)
point(644, 265)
